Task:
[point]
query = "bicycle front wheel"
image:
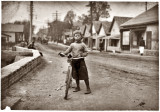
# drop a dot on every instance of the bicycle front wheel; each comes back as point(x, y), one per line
point(68, 81)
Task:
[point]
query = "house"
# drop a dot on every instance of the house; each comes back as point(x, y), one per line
point(114, 38)
point(144, 25)
point(4, 40)
point(15, 31)
point(104, 33)
point(87, 35)
point(95, 31)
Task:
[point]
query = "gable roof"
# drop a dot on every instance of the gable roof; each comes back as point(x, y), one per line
point(147, 17)
point(12, 28)
point(97, 25)
point(88, 28)
point(119, 20)
point(106, 25)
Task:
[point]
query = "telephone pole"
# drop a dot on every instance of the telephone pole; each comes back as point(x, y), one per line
point(146, 6)
point(91, 40)
point(55, 15)
point(31, 18)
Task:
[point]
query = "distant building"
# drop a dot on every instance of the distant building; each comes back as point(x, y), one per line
point(14, 31)
point(144, 25)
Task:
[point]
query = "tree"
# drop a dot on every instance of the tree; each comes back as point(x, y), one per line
point(56, 29)
point(70, 16)
point(84, 19)
point(99, 9)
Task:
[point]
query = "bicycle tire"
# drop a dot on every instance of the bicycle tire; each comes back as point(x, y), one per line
point(68, 81)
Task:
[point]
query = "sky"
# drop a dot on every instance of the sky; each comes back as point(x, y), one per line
point(44, 11)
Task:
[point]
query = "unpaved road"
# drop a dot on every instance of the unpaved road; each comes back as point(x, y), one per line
point(117, 83)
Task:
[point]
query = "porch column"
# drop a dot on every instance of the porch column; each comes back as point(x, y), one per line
point(105, 45)
point(121, 39)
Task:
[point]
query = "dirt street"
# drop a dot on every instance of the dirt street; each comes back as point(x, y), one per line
point(117, 83)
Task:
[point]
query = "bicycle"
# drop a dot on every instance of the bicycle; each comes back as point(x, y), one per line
point(68, 80)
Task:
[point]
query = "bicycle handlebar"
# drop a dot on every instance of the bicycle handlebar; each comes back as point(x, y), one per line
point(68, 56)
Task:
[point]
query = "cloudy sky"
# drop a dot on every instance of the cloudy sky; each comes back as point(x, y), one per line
point(45, 10)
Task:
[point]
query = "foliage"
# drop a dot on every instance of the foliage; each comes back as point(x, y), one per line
point(84, 19)
point(69, 17)
point(99, 9)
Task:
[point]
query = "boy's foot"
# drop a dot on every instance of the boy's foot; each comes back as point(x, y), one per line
point(76, 89)
point(88, 91)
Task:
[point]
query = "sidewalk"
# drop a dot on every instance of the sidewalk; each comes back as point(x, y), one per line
point(122, 54)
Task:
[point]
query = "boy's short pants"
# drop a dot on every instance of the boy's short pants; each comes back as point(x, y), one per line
point(79, 69)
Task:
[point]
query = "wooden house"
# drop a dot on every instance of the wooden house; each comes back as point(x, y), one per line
point(114, 38)
point(14, 31)
point(144, 25)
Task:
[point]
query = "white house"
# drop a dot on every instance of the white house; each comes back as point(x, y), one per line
point(87, 35)
point(104, 33)
point(114, 38)
point(95, 31)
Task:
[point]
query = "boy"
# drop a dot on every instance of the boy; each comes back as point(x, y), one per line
point(79, 69)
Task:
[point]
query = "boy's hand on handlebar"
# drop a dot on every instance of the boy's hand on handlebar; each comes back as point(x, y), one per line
point(61, 54)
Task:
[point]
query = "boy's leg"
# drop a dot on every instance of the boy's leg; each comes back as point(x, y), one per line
point(78, 87)
point(87, 85)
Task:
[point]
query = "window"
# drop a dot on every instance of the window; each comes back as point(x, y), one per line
point(114, 42)
point(125, 38)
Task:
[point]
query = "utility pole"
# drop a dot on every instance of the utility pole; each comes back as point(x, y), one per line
point(31, 18)
point(55, 15)
point(146, 6)
point(91, 40)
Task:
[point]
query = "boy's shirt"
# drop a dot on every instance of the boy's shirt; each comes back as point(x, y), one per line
point(77, 49)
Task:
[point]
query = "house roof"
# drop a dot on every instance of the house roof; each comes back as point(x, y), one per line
point(147, 17)
point(119, 20)
point(97, 25)
point(106, 25)
point(112, 37)
point(5, 35)
point(88, 28)
point(12, 28)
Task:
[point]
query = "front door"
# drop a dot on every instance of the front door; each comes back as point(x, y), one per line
point(148, 40)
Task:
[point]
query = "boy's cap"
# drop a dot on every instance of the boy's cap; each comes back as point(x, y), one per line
point(77, 31)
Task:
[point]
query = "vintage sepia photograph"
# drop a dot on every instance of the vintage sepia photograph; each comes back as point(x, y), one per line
point(80, 55)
